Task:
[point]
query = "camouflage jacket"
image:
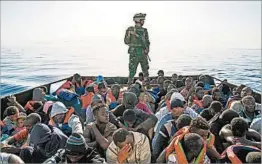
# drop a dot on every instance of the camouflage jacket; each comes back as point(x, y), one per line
point(139, 40)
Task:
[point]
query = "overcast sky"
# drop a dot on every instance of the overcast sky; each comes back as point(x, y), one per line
point(179, 24)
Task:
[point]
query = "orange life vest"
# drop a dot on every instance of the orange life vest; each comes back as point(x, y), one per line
point(176, 146)
point(87, 99)
point(199, 103)
point(67, 117)
point(30, 105)
point(229, 152)
point(209, 142)
point(66, 85)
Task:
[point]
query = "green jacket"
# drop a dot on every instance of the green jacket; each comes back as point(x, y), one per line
point(140, 41)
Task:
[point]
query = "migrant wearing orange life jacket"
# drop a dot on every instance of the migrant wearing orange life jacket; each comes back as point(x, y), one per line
point(87, 99)
point(176, 146)
point(30, 105)
point(65, 127)
point(68, 84)
point(113, 99)
point(231, 153)
point(185, 130)
point(80, 88)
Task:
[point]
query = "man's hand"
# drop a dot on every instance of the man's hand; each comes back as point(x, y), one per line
point(123, 153)
point(12, 99)
point(91, 125)
point(133, 33)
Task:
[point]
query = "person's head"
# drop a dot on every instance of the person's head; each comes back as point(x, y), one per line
point(207, 100)
point(216, 94)
point(135, 88)
point(239, 127)
point(177, 107)
point(143, 97)
point(102, 88)
point(77, 77)
point(97, 99)
point(183, 120)
point(20, 121)
point(75, 148)
point(169, 94)
point(90, 88)
point(249, 103)
point(58, 112)
point(44, 88)
point(167, 83)
point(200, 84)
point(179, 84)
point(31, 120)
point(253, 157)
point(38, 94)
point(188, 82)
point(225, 89)
point(38, 105)
point(160, 73)
point(246, 91)
point(12, 113)
point(139, 19)
point(170, 87)
point(216, 106)
point(202, 78)
point(199, 92)
point(115, 89)
point(192, 145)
point(174, 77)
point(101, 114)
point(129, 100)
point(227, 116)
point(129, 117)
point(160, 80)
point(141, 76)
point(122, 137)
point(14, 159)
point(200, 126)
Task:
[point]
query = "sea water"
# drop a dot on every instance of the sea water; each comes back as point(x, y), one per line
point(29, 66)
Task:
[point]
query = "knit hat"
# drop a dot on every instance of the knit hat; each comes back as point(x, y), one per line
point(177, 95)
point(76, 144)
point(58, 108)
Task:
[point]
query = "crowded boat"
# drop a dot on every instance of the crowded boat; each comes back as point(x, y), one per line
point(176, 120)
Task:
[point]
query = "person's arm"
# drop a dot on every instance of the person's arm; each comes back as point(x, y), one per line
point(75, 124)
point(253, 134)
point(150, 120)
point(127, 39)
point(212, 153)
point(87, 135)
point(13, 101)
point(226, 133)
point(145, 154)
point(162, 157)
point(95, 157)
point(160, 143)
point(102, 141)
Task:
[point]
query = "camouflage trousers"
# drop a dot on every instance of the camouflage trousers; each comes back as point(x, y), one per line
point(134, 60)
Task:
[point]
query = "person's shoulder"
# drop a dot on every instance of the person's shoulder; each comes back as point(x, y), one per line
point(130, 28)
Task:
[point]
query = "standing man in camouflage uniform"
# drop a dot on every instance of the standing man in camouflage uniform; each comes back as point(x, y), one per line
point(137, 39)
